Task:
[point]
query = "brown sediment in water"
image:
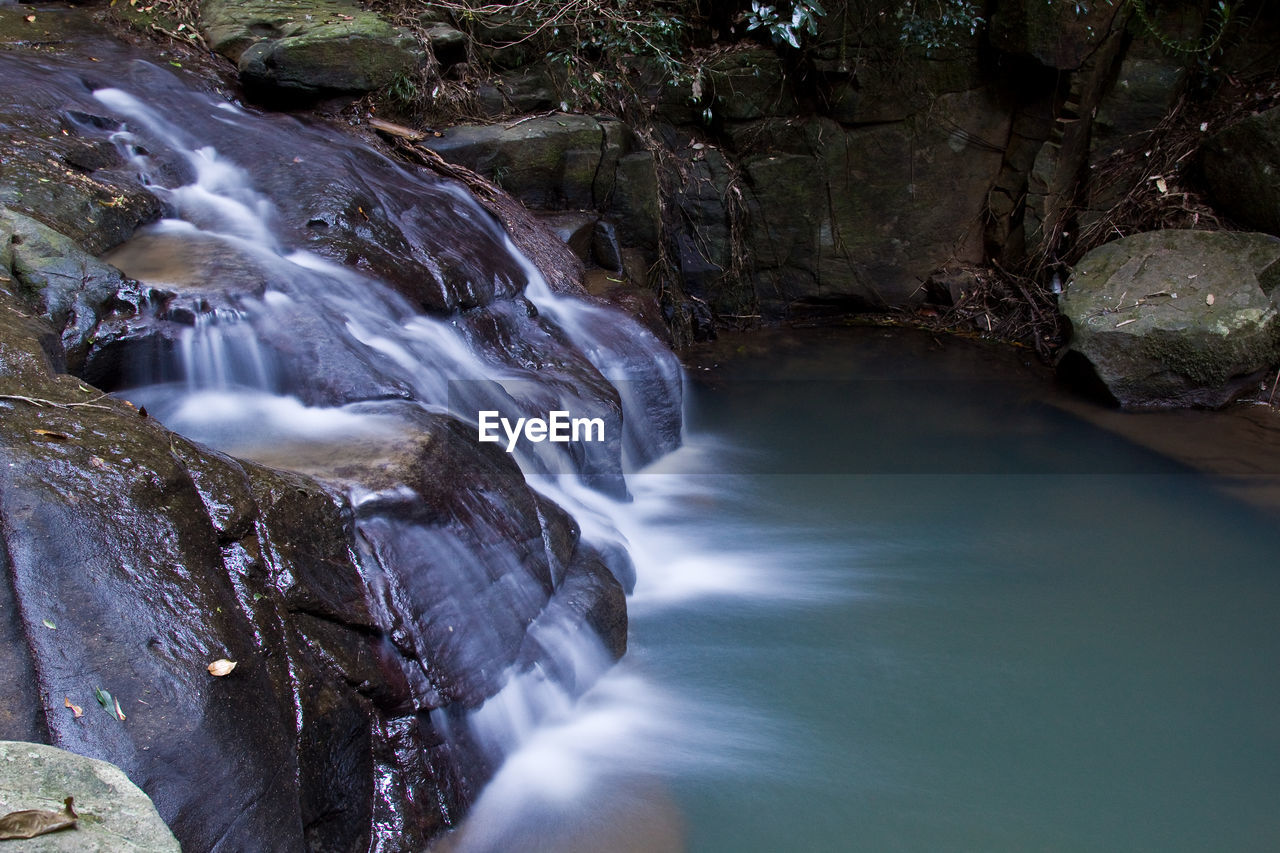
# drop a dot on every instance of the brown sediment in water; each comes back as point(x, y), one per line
point(1237, 447)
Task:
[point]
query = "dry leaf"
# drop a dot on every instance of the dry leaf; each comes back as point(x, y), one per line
point(31, 19)
point(33, 822)
point(1208, 300)
point(221, 667)
point(50, 434)
point(75, 709)
point(1162, 186)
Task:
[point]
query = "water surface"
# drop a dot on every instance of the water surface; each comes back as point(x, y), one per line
point(928, 610)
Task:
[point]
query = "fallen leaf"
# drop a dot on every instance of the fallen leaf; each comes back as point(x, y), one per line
point(76, 710)
point(49, 623)
point(1162, 186)
point(32, 822)
point(221, 667)
point(119, 713)
point(31, 19)
point(97, 462)
point(1208, 300)
point(103, 697)
point(50, 434)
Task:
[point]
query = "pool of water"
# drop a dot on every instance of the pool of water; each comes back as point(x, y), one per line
point(910, 604)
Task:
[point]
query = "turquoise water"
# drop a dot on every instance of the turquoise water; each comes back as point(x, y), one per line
point(925, 611)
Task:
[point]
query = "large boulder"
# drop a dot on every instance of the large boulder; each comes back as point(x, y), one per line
point(1174, 318)
point(303, 47)
point(566, 162)
point(114, 814)
point(1242, 167)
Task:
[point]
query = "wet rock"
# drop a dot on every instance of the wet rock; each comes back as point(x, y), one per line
point(70, 289)
point(307, 48)
point(1242, 167)
point(56, 164)
point(1174, 318)
point(113, 813)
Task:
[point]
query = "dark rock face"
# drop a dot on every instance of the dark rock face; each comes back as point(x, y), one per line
point(1059, 35)
point(154, 556)
point(341, 589)
point(1175, 318)
point(1242, 166)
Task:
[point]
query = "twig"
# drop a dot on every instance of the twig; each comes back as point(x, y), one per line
point(40, 402)
point(1274, 383)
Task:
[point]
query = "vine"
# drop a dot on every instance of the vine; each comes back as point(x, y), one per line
point(1221, 17)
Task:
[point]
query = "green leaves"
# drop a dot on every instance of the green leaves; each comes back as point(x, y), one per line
point(803, 21)
point(109, 703)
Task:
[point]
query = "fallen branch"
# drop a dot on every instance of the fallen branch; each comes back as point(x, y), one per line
point(40, 402)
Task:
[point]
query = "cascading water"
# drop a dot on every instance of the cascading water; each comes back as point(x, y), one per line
point(279, 355)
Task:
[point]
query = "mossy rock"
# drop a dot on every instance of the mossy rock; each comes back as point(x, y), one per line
point(308, 47)
point(113, 813)
point(58, 281)
point(1174, 318)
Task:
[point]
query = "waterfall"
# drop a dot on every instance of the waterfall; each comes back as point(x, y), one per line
point(286, 357)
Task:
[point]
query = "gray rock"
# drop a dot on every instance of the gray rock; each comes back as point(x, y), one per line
point(1242, 167)
point(307, 47)
point(862, 216)
point(68, 287)
point(115, 816)
point(1174, 318)
point(548, 162)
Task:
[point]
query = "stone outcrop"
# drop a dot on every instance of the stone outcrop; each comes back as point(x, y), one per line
point(1174, 318)
point(113, 814)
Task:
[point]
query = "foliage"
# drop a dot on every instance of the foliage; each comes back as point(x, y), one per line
point(784, 29)
point(1219, 21)
point(938, 24)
